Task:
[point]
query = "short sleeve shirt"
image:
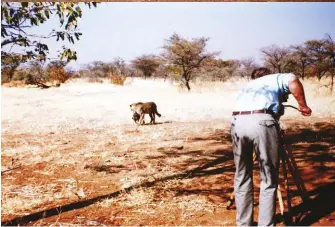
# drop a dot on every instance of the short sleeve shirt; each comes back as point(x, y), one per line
point(266, 92)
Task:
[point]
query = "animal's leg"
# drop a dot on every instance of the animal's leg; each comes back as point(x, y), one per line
point(151, 118)
point(154, 118)
point(142, 119)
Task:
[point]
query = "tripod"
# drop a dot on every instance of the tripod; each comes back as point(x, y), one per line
point(288, 166)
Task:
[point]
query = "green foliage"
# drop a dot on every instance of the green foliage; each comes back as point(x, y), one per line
point(18, 17)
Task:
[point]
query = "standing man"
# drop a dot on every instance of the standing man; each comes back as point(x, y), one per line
point(255, 126)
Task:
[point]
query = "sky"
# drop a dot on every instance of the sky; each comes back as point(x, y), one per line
point(237, 29)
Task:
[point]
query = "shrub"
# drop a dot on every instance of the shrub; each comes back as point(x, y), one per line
point(117, 79)
point(95, 80)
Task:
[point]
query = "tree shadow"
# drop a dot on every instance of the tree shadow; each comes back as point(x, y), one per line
point(322, 205)
point(203, 170)
point(312, 148)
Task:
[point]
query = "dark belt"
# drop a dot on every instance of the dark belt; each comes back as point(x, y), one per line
point(254, 112)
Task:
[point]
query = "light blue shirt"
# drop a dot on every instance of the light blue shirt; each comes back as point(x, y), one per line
point(267, 92)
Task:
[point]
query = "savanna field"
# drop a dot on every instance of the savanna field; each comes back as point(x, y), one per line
point(73, 156)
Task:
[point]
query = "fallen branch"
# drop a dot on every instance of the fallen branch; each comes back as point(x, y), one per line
point(7, 170)
point(42, 86)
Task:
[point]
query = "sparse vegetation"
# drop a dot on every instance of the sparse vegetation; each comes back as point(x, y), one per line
point(184, 61)
point(117, 79)
point(87, 151)
point(147, 64)
point(73, 156)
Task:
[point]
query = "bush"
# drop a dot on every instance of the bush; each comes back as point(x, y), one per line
point(117, 79)
point(58, 74)
point(20, 75)
point(5, 76)
point(95, 80)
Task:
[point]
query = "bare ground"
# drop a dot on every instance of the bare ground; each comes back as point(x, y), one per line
point(183, 176)
point(73, 156)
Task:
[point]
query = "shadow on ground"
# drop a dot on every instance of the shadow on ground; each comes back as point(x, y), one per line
point(312, 146)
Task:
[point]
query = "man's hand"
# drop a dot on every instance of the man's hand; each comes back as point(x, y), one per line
point(305, 110)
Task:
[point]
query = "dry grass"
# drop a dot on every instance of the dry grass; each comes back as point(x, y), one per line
point(317, 88)
point(20, 200)
point(85, 145)
point(14, 84)
point(94, 105)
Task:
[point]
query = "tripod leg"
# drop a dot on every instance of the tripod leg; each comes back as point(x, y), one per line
point(288, 197)
point(280, 198)
point(293, 167)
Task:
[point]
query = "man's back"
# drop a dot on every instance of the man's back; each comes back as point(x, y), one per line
point(266, 92)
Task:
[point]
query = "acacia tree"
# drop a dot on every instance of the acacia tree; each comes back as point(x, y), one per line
point(329, 51)
point(276, 58)
point(147, 64)
point(318, 58)
point(18, 17)
point(299, 60)
point(186, 56)
point(219, 69)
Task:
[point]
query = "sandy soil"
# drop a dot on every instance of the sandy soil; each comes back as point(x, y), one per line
point(73, 156)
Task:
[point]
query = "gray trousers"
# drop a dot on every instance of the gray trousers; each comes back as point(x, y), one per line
point(259, 133)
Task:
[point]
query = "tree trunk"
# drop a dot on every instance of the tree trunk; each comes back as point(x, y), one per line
point(188, 85)
point(187, 80)
point(332, 83)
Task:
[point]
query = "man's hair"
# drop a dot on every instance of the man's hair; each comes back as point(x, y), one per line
point(257, 73)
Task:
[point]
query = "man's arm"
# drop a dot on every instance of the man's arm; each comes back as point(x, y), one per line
point(297, 90)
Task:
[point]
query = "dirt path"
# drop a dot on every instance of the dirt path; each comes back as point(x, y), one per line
point(174, 173)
